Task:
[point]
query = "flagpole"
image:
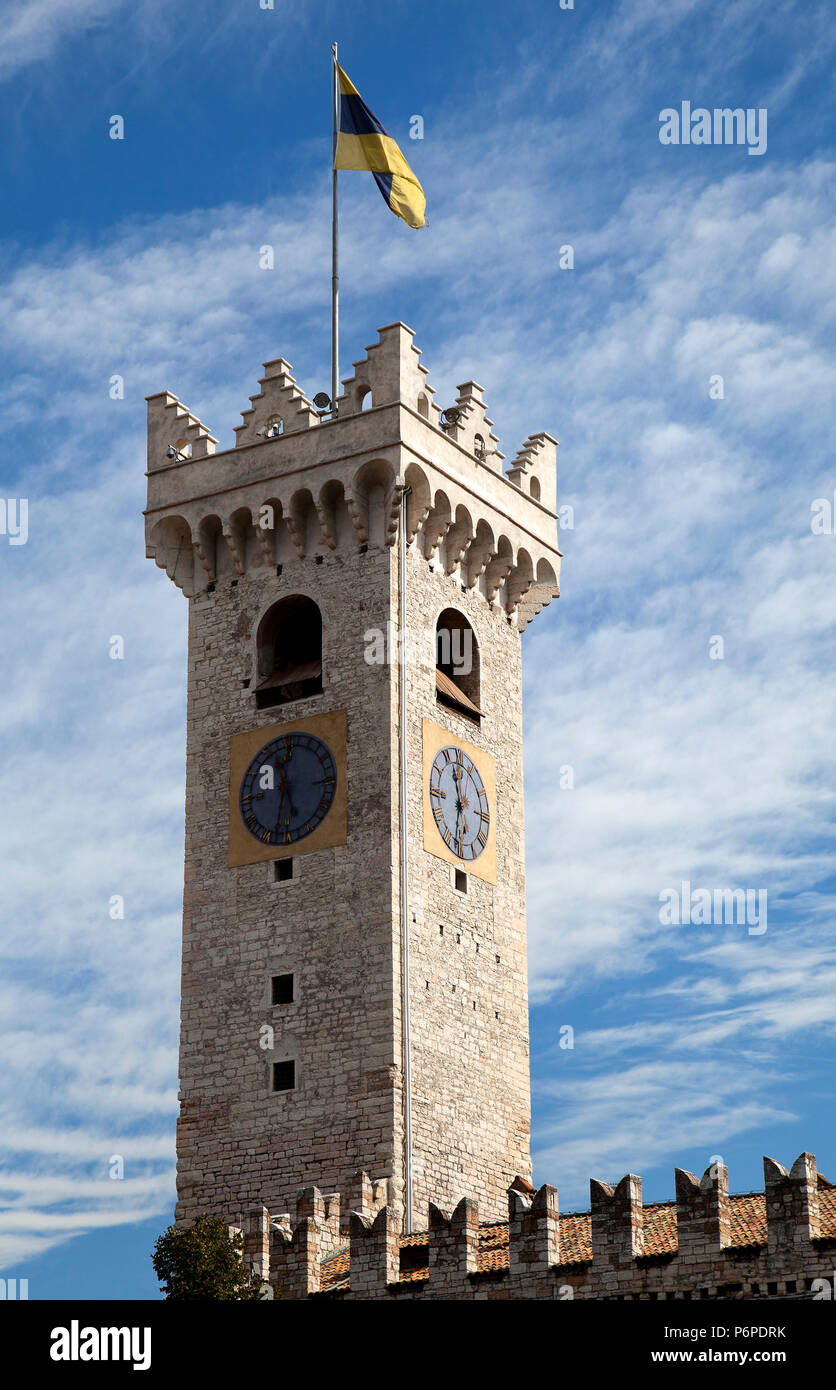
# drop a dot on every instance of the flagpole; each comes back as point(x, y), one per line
point(335, 258)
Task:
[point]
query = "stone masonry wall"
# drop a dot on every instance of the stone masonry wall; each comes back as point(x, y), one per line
point(331, 925)
point(469, 993)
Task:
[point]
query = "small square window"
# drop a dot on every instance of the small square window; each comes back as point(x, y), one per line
point(282, 870)
point(461, 881)
point(282, 989)
point(284, 1076)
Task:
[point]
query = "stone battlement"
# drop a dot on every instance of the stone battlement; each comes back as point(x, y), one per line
point(708, 1243)
point(298, 485)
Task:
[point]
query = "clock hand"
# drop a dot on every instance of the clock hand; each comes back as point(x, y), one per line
point(284, 790)
point(459, 831)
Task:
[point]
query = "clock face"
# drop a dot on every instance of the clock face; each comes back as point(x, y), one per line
point(459, 803)
point(288, 788)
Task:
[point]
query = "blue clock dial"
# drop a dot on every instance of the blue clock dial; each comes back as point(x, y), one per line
point(288, 789)
point(459, 803)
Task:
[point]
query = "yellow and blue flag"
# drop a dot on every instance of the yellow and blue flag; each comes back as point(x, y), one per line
point(363, 143)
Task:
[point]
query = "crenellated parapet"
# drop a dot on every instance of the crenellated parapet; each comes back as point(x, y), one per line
point(793, 1203)
point(390, 373)
point(174, 434)
point(280, 407)
point(472, 430)
point(534, 470)
point(296, 487)
point(617, 1223)
point(703, 1211)
point(707, 1244)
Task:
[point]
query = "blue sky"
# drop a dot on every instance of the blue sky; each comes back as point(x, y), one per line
point(692, 520)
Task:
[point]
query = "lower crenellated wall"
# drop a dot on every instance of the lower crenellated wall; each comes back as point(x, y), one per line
point(709, 1244)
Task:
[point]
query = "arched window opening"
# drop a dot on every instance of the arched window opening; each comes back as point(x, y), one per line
point(457, 664)
point(289, 646)
point(272, 428)
point(423, 406)
point(364, 397)
point(534, 489)
point(479, 447)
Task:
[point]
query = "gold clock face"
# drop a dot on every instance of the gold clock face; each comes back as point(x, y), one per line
point(287, 788)
point(459, 802)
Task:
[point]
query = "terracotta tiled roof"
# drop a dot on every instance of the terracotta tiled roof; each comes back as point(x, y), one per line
point(335, 1271)
point(748, 1227)
point(827, 1207)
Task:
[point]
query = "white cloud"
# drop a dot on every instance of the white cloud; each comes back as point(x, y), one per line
point(632, 1118)
point(33, 29)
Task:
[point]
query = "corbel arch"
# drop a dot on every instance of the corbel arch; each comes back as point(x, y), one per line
point(418, 501)
point(170, 546)
point(373, 503)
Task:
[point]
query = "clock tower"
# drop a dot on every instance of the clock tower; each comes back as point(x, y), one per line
point(354, 954)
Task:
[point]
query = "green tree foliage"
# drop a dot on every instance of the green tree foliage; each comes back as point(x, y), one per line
point(203, 1261)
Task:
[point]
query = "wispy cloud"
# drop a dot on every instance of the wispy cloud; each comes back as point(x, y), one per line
point(33, 29)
